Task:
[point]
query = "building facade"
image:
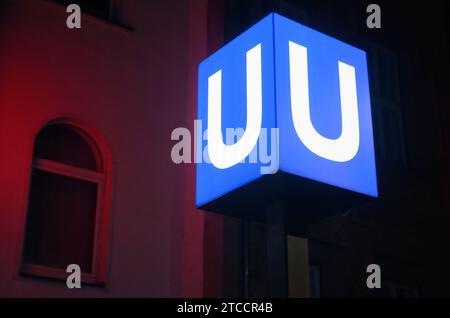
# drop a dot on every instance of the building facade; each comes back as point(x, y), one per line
point(86, 119)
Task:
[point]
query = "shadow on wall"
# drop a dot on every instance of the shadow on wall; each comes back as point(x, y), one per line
point(5, 10)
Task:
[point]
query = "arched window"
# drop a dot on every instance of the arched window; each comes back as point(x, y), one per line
point(67, 217)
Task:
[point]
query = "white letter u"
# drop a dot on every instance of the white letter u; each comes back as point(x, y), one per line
point(225, 156)
point(345, 147)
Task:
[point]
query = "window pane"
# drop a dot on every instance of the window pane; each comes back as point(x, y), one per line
point(391, 133)
point(61, 221)
point(387, 67)
point(97, 8)
point(63, 144)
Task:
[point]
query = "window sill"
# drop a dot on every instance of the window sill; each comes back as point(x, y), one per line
point(44, 272)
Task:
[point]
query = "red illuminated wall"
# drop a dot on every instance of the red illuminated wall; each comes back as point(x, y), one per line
point(134, 88)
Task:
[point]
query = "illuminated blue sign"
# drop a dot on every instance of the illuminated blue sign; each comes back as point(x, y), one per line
point(301, 102)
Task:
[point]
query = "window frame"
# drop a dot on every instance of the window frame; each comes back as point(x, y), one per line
point(108, 15)
point(101, 177)
point(382, 104)
point(115, 18)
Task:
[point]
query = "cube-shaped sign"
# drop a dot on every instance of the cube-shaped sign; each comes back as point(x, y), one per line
point(284, 99)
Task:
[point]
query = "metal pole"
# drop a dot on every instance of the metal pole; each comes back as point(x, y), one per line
point(276, 252)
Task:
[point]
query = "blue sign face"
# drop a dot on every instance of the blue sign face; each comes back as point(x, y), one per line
point(284, 97)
